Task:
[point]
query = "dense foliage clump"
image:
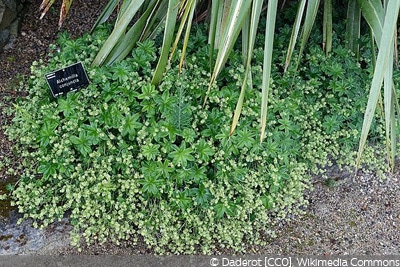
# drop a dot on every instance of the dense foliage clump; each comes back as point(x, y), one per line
point(126, 159)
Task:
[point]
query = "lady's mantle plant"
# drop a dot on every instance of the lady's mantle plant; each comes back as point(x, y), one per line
point(126, 159)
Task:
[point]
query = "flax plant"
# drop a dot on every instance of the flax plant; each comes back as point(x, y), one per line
point(46, 4)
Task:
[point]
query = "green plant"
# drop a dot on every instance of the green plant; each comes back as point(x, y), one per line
point(127, 159)
point(228, 20)
point(11, 58)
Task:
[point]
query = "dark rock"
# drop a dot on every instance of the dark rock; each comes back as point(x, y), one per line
point(14, 216)
point(3, 225)
point(10, 11)
point(4, 37)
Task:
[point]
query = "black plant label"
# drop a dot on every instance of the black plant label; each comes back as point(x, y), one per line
point(67, 79)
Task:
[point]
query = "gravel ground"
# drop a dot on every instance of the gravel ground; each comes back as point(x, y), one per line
point(359, 216)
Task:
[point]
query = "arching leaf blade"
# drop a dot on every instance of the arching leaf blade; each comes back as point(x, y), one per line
point(129, 40)
point(295, 33)
point(106, 13)
point(327, 27)
point(353, 25)
point(187, 33)
point(373, 14)
point(249, 34)
point(172, 12)
point(311, 13)
point(238, 12)
point(118, 32)
point(267, 64)
point(383, 60)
